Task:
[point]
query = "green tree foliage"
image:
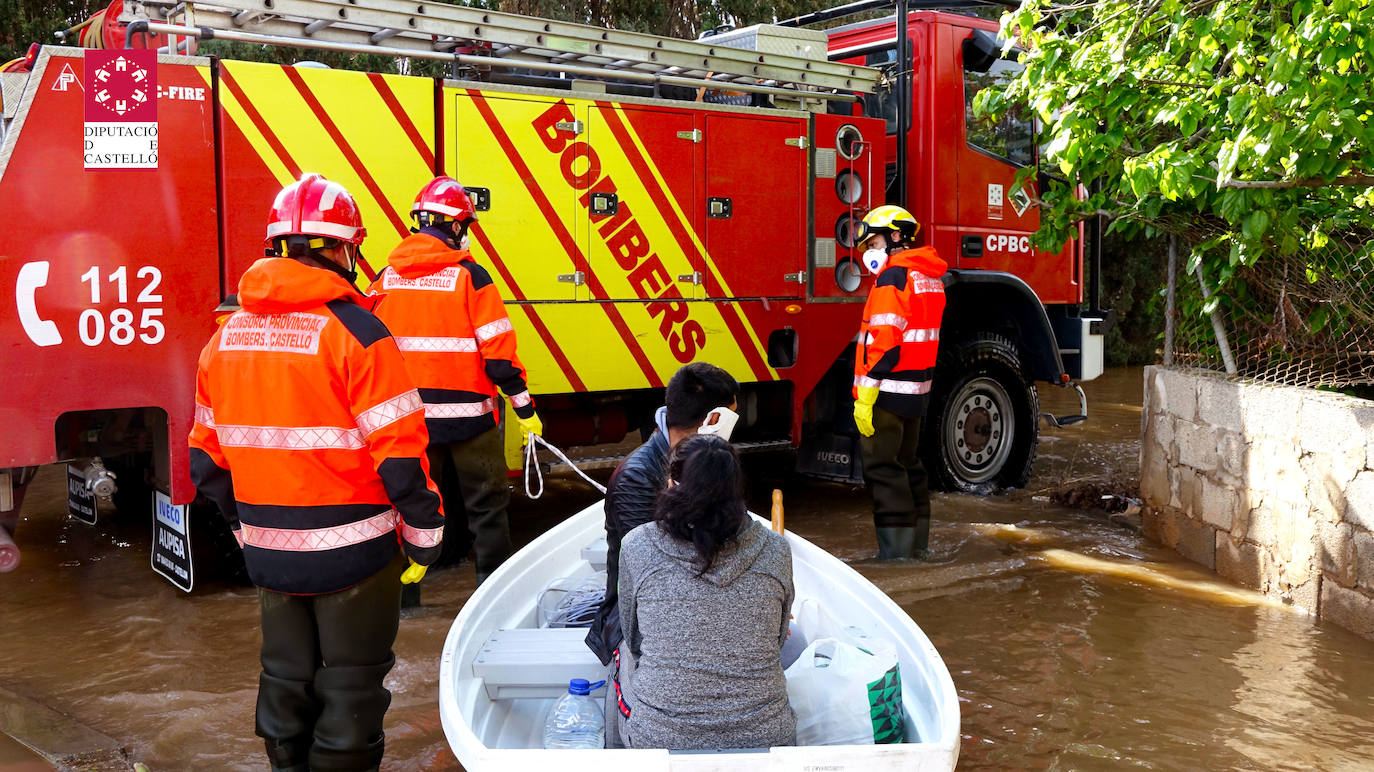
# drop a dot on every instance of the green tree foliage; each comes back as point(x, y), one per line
point(1250, 117)
point(678, 18)
point(1133, 273)
point(248, 52)
point(33, 21)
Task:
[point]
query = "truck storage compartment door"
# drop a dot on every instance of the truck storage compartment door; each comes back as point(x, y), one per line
point(847, 182)
point(371, 133)
point(755, 206)
point(643, 243)
point(522, 156)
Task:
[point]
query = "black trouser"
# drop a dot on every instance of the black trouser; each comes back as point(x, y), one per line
point(320, 697)
point(481, 466)
point(895, 475)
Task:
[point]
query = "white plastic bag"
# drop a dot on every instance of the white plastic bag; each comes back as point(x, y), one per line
point(844, 695)
point(817, 622)
point(846, 688)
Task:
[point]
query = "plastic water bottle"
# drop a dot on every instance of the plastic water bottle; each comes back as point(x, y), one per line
point(576, 721)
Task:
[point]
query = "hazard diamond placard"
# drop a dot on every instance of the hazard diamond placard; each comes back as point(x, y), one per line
point(121, 110)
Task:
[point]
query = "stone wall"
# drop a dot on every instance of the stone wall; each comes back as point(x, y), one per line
point(1270, 486)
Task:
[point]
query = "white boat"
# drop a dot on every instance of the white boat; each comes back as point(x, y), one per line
point(500, 674)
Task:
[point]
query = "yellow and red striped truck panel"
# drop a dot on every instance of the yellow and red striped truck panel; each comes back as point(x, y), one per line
point(666, 280)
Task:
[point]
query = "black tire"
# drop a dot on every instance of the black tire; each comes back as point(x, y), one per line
point(980, 432)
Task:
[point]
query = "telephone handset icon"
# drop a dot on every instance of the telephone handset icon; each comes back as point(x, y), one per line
point(40, 331)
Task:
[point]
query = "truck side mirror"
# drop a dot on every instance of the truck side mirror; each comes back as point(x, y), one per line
point(981, 49)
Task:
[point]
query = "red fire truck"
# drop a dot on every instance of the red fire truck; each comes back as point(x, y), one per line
point(643, 202)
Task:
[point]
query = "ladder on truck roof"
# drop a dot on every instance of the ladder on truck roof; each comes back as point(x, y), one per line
point(475, 37)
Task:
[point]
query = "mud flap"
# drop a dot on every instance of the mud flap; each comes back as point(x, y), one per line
point(171, 552)
point(834, 457)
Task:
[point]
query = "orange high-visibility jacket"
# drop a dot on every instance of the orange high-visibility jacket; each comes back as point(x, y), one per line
point(310, 436)
point(901, 331)
point(451, 325)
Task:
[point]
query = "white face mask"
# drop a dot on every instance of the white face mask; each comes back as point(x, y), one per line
point(463, 245)
point(875, 260)
point(723, 425)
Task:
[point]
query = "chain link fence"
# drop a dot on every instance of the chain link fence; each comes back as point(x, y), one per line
point(1305, 319)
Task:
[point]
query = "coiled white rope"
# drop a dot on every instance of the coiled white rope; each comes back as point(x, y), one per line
point(532, 463)
point(581, 598)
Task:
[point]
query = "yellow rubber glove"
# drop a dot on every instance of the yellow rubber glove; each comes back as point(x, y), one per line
point(863, 408)
point(415, 573)
point(530, 425)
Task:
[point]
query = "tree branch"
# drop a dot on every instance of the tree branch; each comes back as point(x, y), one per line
point(1181, 83)
point(1196, 138)
point(1355, 180)
point(1081, 216)
point(1144, 14)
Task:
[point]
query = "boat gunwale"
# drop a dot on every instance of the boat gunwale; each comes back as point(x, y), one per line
point(566, 537)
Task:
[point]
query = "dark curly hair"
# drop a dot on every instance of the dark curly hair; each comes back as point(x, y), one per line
point(706, 506)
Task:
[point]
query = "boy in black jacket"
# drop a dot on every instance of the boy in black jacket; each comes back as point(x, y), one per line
point(693, 392)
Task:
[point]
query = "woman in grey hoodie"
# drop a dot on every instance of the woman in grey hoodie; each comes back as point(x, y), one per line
point(705, 593)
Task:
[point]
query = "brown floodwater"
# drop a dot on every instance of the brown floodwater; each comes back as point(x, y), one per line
point(1073, 642)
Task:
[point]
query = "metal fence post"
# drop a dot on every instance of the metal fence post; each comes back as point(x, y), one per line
point(1169, 302)
point(1217, 328)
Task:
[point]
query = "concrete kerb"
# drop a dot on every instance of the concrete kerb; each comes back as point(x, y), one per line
point(1197, 542)
point(1270, 486)
point(61, 740)
point(1219, 504)
point(1233, 452)
point(1219, 404)
point(1177, 392)
point(1348, 608)
point(1363, 543)
point(1241, 562)
point(1359, 501)
point(1336, 552)
point(1155, 485)
point(1197, 446)
point(1328, 425)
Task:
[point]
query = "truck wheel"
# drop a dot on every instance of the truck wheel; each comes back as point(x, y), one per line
point(980, 432)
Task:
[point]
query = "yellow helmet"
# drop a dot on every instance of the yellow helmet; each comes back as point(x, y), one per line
point(889, 219)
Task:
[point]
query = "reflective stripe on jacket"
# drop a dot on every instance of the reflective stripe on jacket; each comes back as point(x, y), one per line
point(451, 325)
point(310, 436)
point(901, 331)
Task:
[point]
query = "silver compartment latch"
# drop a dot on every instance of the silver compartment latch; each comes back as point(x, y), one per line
point(576, 278)
point(573, 126)
point(695, 135)
point(694, 278)
point(795, 278)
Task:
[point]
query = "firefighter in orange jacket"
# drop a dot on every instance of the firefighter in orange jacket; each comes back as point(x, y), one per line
point(451, 325)
point(894, 364)
point(310, 438)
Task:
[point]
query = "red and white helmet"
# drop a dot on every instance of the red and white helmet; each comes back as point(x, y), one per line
point(444, 195)
point(314, 206)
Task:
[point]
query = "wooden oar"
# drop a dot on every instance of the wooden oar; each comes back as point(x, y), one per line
point(777, 510)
